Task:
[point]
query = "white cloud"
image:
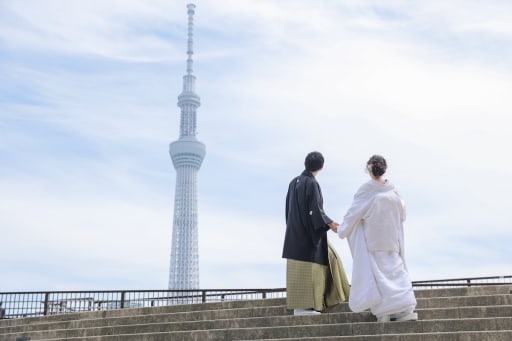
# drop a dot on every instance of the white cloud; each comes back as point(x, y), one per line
point(89, 108)
point(127, 30)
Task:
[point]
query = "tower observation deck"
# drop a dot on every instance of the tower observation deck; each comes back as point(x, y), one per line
point(187, 154)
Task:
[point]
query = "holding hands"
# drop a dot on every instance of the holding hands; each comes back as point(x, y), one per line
point(334, 226)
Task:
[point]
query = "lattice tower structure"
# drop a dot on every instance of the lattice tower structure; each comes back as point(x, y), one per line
point(187, 155)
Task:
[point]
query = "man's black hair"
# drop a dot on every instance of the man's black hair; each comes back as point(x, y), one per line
point(314, 161)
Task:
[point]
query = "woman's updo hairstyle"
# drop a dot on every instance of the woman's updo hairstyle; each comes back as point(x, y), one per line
point(377, 165)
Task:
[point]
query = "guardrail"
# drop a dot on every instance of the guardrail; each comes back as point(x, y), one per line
point(42, 303)
point(462, 282)
point(29, 304)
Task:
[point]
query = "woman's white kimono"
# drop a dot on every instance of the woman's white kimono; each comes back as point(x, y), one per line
point(374, 228)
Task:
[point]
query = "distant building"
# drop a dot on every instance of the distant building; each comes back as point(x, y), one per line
point(187, 154)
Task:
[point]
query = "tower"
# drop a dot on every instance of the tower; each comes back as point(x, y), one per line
point(187, 154)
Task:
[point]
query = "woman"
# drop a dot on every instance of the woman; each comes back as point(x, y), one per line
point(374, 228)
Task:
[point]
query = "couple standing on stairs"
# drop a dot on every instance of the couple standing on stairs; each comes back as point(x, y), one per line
point(373, 226)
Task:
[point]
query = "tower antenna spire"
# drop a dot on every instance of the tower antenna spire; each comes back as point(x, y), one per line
point(190, 41)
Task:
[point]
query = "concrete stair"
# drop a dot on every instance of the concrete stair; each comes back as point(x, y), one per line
point(458, 314)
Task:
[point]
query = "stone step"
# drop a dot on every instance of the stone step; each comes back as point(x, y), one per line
point(146, 316)
point(449, 301)
point(347, 329)
point(423, 293)
point(169, 324)
point(468, 301)
point(500, 335)
point(459, 307)
point(465, 312)
point(466, 291)
point(296, 326)
point(443, 313)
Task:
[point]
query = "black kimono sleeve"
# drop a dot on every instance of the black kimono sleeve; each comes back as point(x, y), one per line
point(315, 202)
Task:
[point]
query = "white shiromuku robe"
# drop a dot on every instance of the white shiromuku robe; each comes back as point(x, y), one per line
point(373, 227)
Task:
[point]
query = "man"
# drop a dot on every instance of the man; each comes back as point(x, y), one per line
point(315, 278)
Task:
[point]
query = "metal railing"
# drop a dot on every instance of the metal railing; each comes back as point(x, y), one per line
point(29, 304)
point(462, 282)
point(42, 303)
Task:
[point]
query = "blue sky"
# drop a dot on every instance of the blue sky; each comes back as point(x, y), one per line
point(88, 93)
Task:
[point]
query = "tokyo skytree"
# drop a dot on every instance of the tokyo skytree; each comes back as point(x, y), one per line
point(187, 154)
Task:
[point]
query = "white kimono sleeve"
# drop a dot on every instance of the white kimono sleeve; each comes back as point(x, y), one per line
point(362, 200)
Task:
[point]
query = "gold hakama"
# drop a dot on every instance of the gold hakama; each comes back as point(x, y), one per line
point(315, 286)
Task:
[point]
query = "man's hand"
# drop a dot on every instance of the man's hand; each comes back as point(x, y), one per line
point(334, 226)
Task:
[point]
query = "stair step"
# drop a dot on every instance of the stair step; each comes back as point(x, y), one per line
point(465, 291)
point(500, 335)
point(465, 314)
point(242, 318)
point(232, 332)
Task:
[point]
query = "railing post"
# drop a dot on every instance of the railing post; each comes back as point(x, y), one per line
point(122, 299)
point(46, 299)
point(203, 294)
